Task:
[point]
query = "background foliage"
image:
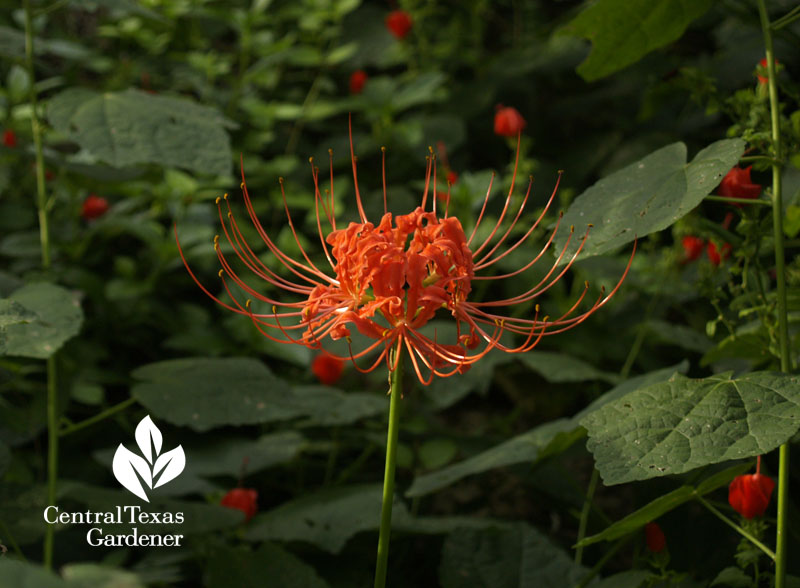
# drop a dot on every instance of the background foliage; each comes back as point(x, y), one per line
point(153, 106)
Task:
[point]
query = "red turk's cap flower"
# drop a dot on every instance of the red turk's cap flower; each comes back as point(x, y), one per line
point(452, 177)
point(763, 63)
point(243, 499)
point(737, 184)
point(656, 542)
point(327, 368)
point(94, 207)
point(357, 80)
point(715, 255)
point(692, 247)
point(388, 280)
point(399, 23)
point(9, 138)
point(749, 495)
point(508, 122)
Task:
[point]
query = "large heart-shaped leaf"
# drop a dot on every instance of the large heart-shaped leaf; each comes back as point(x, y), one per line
point(624, 31)
point(58, 318)
point(676, 426)
point(646, 196)
point(134, 127)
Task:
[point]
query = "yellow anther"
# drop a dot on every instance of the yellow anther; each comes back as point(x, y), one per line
point(217, 200)
point(274, 309)
point(590, 225)
point(383, 149)
point(225, 195)
point(586, 283)
point(572, 228)
point(280, 180)
point(430, 149)
point(248, 303)
point(241, 186)
point(310, 160)
point(349, 339)
point(230, 214)
point(560, 214)
point(220, 273)
point(330, 152)
point(216, 239)
point(537, 308)
point(499, 322)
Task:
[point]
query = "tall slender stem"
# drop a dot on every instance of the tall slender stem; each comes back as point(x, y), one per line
point(587, 506)
point(736, 527)
point(395, 391)
point(44, 240)
point(780, 271)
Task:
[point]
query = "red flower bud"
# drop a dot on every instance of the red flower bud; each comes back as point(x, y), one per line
point(749, 495)
point(715, 255)
point(243, 499)
point(9, 138)
point(94, 207)
point(452, 177)
point(737, 184)
point(399, 23)
point(656, 542)
point(508, 122)
point(692, 247)
point(327, 369)
point(357, 80)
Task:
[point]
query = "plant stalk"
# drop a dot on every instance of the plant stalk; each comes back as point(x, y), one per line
point(395, 391)
point(780, 271)
point(44, 240)
point(587, 506)
point(736, 527)
point(97, 418)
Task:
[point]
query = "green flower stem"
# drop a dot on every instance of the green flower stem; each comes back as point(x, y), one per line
point(737, 528)
point(44, 240)
point(603, 561)
point(395, 391)
point(71, 428)
point(587, 506)
point(780, 271)
point(739, 200)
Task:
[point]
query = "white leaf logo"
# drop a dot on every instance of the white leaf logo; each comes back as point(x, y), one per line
point(131, 469)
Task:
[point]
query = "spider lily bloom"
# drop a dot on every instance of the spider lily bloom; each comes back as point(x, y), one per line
point(388, 279)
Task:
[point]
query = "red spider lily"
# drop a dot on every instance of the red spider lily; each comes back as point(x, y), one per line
point(9, 138)
point(399, 23)
point(737, 184)
point(508, 122)
point(327, 369)
point(357, 80)
point(692, 247)
point(243, 499)
point(656, 542)
point(94, 206)
point(749, 495)
point(390, 279)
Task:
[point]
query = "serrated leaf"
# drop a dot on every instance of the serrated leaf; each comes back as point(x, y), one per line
point(133, 127)
point(676, 426)
point(58, 319)
point(327, 519)
point(537, 443)
point(624, 31)
point(518, 556)
point(646, 196)
point(229, 566)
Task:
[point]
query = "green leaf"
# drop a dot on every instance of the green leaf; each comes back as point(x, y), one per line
point(19, 574)
point(13, 313)
point(733, 578)
point(327, 519)
point(58, 318)
point(437, 453)
point(628, 579)
point(664, 504)
point(646, 196)
point(624, 31)
point(421, 90)
point(270, 565)
point(87, 575)
point(203, 393)
point(680, 336)
point(537, 443)
point(558, 367)
point(326, 406)
point(518, 556)
point(133, 127)
point(676, 426)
